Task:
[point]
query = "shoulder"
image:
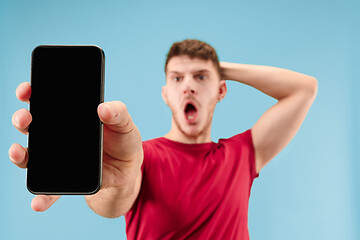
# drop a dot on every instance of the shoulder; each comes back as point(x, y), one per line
point(244, 138)
point(153, 144)
point(241, 147)
point(155, 148)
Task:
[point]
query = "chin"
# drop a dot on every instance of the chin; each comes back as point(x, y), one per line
point(192, 131)
point(192, 134)
point(195, 130)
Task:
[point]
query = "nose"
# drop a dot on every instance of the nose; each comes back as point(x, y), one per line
point(189, 90)
point(189, 87)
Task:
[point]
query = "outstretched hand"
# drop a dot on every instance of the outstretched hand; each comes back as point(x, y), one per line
point(122, 145)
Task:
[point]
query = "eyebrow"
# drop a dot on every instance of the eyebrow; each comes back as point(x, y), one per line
point(196, 71)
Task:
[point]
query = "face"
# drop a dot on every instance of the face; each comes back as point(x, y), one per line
point(192, 90)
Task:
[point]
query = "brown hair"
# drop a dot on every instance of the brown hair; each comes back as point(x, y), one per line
point(194, 49)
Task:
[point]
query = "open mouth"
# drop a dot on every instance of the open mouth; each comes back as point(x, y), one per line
point(190, 111)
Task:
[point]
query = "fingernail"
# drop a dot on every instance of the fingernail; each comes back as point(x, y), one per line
point(16, 120)
point(13, 160)
point(116, 114)
point(113, 111)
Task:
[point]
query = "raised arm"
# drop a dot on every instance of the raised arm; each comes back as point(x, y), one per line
point(295, 93)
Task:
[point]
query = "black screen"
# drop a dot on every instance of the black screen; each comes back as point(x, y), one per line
point(65, 135)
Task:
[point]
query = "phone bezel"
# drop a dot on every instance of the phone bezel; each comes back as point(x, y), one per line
point(102, 85)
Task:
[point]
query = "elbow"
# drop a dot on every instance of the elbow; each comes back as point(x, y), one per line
point(311, 88)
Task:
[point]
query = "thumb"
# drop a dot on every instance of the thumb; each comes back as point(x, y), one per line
point(122, 140)
point(115, 115)
point(42, 202)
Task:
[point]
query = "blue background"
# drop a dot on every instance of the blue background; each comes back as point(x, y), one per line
point(309, 191)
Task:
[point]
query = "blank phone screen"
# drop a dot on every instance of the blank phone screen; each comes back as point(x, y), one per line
point(65, 135)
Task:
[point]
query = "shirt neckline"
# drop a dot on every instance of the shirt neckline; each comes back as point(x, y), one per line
point(188, 146)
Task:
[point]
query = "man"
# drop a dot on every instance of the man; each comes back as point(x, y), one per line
point(183, 185)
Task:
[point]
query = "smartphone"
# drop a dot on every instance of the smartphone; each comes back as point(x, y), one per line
point(65, 135)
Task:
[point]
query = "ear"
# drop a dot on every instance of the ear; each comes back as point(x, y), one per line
point(163, 94)
point(222, 89)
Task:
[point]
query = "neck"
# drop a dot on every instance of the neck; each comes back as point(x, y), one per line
point(176, 134)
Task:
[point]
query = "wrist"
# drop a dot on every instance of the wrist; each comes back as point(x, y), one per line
point(231, 71)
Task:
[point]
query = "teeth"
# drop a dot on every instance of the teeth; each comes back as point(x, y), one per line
point(190, 117)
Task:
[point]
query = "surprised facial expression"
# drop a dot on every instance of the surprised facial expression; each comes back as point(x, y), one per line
point(193, 87)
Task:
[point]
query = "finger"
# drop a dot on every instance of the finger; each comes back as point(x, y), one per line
point(23, 92)
point(115, 116)
point(21, 120)
point(42, 202)
point(122, 139)
point(18, 155)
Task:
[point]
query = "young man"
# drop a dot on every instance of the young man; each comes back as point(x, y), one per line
point(183, 185)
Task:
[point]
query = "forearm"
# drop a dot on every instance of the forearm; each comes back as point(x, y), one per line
point(275, 82)
point(114, 202)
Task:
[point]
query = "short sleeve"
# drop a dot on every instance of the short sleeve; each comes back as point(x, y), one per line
point(149, 153)
point(250, 142)
point(245, 140)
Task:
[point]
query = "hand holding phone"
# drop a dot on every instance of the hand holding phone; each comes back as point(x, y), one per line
point(122, 144)
point(121, 141)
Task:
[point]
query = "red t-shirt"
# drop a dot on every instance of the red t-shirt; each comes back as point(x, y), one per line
point(194, 191)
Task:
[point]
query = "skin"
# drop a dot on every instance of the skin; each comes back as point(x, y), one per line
point(193, 80)
point(197, 81)
point(122, 158)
